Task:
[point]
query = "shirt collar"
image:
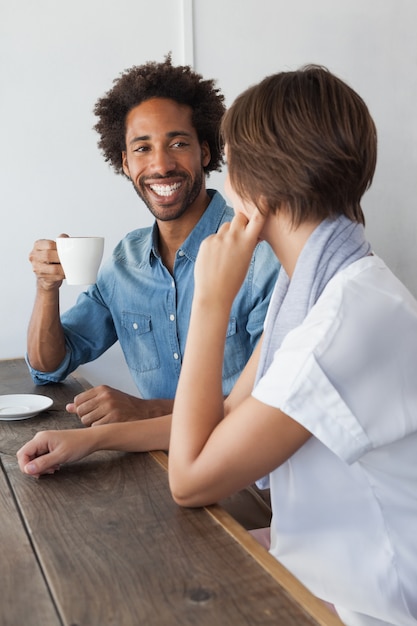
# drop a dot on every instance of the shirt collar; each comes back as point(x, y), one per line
point(208, 224)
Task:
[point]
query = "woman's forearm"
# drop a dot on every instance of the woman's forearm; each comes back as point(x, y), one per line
point(137, 436)
point(49, 449)
point(199, 402)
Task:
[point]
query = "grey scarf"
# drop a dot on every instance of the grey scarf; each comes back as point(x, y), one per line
point(332, 246)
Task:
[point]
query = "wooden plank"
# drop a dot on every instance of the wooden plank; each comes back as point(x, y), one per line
point(15, 378)
point(116, 550)
point(314, 607)
point(45, 517)
point(24, 596)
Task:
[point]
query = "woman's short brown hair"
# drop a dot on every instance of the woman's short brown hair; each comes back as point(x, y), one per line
point(304, 140)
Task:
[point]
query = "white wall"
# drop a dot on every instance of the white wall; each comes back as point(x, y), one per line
point(372, 44)
point(57, 58)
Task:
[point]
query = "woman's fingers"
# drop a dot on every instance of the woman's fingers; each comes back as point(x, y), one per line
point(250, 227)
point(44, 453)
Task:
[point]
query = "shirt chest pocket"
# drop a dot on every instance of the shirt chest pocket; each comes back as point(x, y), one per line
point(138, 342)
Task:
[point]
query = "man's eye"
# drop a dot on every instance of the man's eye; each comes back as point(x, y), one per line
point(180, 144)
point(141, 149)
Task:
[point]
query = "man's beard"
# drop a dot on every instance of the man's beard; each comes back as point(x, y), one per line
point(163, 213)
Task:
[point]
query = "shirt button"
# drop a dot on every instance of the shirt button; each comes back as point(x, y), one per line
point(135, 326)
point(176, 357)
point(181, 252)
point(173, 284)
point(172, 317)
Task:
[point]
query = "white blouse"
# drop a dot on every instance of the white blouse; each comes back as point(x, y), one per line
point(345, 504)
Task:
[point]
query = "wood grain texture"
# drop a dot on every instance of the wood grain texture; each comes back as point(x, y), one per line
point(105, 540)
point(116, 550)
point(22, 584)
point(287, 582)
point(14, 378)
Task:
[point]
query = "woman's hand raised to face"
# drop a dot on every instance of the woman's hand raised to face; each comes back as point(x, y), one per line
point(223, 259)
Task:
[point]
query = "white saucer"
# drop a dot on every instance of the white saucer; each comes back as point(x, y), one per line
point(22, 406)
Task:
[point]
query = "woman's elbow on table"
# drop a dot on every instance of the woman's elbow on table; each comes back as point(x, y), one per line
point(185, 493)
point(180, 494)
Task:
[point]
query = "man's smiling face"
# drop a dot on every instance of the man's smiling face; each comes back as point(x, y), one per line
point(164, 158)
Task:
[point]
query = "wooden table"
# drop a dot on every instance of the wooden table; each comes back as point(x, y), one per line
point(101, 543)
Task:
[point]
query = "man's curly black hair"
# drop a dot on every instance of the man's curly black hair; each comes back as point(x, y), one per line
point(159, 80)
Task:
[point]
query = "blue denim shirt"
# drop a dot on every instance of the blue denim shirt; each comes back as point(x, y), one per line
point(137, 302)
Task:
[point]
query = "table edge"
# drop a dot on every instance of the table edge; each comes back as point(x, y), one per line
point(312, 605)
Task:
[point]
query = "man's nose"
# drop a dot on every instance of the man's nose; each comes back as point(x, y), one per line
point(163, 161)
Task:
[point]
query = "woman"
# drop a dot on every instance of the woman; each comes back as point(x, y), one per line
point(327, 406)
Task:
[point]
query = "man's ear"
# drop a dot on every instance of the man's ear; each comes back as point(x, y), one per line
point(125, 165)
point(205, 154)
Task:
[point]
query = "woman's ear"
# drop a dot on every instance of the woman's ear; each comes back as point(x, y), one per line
point(263, 206)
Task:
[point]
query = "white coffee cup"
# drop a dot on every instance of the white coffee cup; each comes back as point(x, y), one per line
point(80, 258)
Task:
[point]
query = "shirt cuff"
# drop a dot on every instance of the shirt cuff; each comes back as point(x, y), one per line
point(43, 378)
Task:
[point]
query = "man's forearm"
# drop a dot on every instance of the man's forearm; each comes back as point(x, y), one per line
point(46, 340)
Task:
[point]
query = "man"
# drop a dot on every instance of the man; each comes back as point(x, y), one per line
point(158, 126)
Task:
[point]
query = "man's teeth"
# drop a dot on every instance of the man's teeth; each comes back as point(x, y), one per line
point(165, 190)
